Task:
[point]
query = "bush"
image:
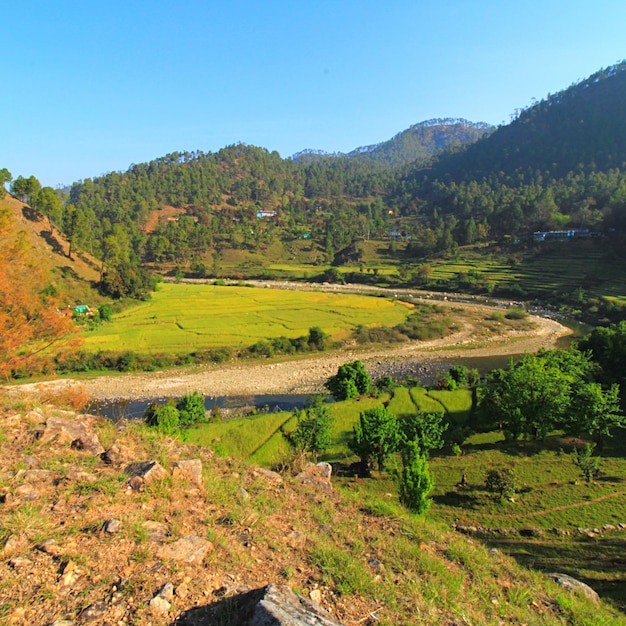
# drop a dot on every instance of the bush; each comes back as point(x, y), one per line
point(516, 314)
point(500, 482)
point(106, 312)
point(191, 410)
point(350, 381)
point(164, 417)
point(317, 338)
point(587, 464)
point(376, 435)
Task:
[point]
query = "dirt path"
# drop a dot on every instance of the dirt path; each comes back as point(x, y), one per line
point(307, 375)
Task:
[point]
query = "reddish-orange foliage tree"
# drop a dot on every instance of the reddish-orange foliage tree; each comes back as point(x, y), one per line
point(32, 330)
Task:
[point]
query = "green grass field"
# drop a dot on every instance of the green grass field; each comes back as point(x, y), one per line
point(184, 318)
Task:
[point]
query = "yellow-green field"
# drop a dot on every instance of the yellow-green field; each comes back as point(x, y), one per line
point(185, 318)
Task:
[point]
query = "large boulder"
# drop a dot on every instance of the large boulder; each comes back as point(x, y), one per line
point(280, 606)
point(571, 584)
point(71, 431)
point(268, 606)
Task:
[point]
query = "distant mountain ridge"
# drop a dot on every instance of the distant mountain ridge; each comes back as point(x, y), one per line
point(420, 142)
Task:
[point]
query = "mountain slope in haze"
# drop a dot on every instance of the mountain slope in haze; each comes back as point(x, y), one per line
point(582, 127)
point(419, 142)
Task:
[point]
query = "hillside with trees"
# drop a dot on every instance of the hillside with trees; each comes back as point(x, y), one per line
point(558, 166)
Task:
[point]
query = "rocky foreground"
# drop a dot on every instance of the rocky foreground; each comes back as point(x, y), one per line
point(104, 524)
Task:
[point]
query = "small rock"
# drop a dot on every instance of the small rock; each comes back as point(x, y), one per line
point(295, 539)
point(71, 431)
point(159, 605)
point(317, 476)
point(156, 530)
point(69, 578)
point(146, 470)
point(36, 475)
point(190, 549)
point(243, 495)
point(271, 478)
point(112, 526)
point(116, 455)
point(51, 547)
point(167, 591)
point(89, 443)
point(375, 564)
point(18, 562)
point(182, 591)
point(27, 492)
point(12, 544)
point(80, 476)
point(316, 596)
point(31, 462)
point(136, 483)
point(94, 612)
point(190, 470)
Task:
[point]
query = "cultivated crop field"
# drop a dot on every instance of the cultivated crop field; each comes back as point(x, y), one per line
point(183, 318)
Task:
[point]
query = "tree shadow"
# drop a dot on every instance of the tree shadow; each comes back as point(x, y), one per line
point(53, 242)
point(457, 499)
point(31, 214)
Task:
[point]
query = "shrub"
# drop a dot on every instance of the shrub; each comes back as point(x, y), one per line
point(516, 314)
point(106, 312)
point(350, 381)
point(313, 433)
point(317, 338)
point(500, 482)
point(376, 435)
point(164, 417)
point(191, 410)
point(587, 464)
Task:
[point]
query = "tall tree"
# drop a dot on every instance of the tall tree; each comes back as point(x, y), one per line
point(48, 201)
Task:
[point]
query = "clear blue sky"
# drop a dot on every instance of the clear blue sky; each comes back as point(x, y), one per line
point(91, 86)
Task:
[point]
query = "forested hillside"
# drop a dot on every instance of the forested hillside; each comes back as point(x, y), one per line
point(559, 164)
